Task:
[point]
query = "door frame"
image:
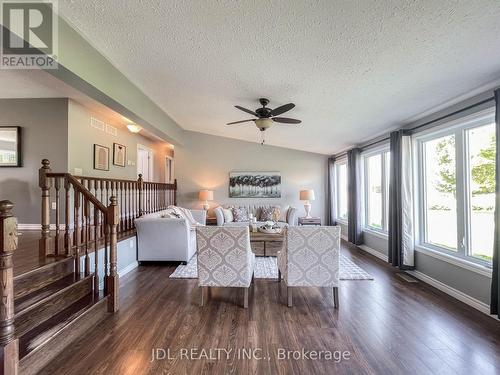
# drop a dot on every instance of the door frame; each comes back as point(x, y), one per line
point(151, 160)
point(172, 169)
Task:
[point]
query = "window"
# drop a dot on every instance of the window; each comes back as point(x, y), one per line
point(376, 190)
point(341, 189)
point(456, 185)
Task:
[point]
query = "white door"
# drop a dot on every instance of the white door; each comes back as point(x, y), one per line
point(144, 162)
point(169, 170)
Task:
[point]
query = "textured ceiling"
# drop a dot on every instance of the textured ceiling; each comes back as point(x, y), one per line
point(353, 68)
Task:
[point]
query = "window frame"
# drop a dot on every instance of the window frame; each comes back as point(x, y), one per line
point(336, 167)
point(459, 128)
point(382, 151)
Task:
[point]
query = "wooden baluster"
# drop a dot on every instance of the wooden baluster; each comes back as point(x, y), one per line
point(140, 188)
point(77, 237)
point(58, 214)
point(113, 279)
point(45, 184)
point(96, 248)
point(9, 345)
point(101, 191)
point(122, 206)
point(87, 235)
point(67, 236)
point(175, 192)
point(107, 193)
point(157, 197)
point(129, 211)
point(106, 244)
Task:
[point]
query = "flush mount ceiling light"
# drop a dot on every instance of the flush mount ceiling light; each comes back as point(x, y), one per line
point(133, 128)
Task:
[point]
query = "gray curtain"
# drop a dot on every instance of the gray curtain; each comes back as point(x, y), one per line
point(495, 286)
point(401, 243)
point(330, 201)
point(354, 197)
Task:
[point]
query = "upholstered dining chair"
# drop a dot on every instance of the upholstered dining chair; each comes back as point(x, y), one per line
point(310, 257)
point(225, 258)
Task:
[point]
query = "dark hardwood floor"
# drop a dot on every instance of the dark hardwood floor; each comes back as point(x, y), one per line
point(388, 326)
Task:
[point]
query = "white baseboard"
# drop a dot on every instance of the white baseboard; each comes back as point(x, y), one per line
point(374, 252)
point(129, 268)
point(461, 296)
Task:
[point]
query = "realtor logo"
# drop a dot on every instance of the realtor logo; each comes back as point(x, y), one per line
point(28, 34)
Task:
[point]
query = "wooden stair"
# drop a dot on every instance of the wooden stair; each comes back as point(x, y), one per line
point(53, 306)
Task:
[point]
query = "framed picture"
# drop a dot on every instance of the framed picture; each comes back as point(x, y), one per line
point(254, 185)
point(101, 157)
point(10, 146)
point(119, 154)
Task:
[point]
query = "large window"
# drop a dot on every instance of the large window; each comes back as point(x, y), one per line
point(456, 184)
point(376, 190)
point(341, 190)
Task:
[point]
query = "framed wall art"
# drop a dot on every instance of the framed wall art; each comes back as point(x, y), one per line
point(101, 157)
point(119, 154)
point(10, 146)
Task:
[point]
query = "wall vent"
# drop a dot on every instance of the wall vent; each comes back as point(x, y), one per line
point(98, 124)
point(111, 130)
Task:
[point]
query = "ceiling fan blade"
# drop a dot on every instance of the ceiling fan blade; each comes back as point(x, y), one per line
point(246, 110)
point(282, 109)
point(286, 120)
point(238, 122)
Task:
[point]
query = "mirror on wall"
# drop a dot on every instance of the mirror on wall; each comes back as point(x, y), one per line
point(10, 146)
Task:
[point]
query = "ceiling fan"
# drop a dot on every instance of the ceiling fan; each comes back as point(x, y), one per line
point(266, 117)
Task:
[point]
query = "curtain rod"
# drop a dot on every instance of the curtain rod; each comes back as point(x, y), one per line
point(484, 101)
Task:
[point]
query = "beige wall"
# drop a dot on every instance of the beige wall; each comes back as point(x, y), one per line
point(82, 136)
point(44, 135)
point(204, 162)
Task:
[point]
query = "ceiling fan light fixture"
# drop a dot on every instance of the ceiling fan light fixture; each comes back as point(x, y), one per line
point(263, 123)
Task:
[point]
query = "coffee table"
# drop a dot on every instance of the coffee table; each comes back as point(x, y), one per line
point(266, 244)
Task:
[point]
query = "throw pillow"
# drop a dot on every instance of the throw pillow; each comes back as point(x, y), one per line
point(228, 215)
point(270, 213)
point(240, 214)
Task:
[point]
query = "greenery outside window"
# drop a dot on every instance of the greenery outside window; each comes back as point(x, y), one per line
point(341, 191)
point(376, 190)
point(456, 188)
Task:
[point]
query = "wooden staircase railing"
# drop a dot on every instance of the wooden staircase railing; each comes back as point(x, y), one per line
point(94, 227)
point(9, 352)
point(93, 214)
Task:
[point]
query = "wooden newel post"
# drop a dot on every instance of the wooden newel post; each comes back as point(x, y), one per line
point(8, 243)
point(44, 184)
point(140, 187)
point(112, 283)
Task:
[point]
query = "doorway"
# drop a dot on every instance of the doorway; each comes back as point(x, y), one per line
point(145, 162)
point(169, 170)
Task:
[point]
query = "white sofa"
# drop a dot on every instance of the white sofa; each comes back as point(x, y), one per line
point(166, 239)
point(288, 215)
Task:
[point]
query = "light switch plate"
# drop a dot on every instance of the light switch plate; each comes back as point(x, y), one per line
point(78, 171)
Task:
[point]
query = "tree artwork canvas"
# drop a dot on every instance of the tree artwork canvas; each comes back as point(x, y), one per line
point(255, 185)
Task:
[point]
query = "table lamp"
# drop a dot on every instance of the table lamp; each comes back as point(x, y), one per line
point(307, 195)
point(205, 196)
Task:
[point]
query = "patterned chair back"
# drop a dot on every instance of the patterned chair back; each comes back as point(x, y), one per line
point(312, 256)
point(225, 257)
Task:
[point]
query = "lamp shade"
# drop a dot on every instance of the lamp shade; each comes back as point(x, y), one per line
point(307, 195)
point(206, 195)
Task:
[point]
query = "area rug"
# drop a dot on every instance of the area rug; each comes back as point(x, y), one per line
point(267, 268)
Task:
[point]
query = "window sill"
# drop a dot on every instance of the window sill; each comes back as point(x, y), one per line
point(376, 233)
point(341, 221)
point(459, 262)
